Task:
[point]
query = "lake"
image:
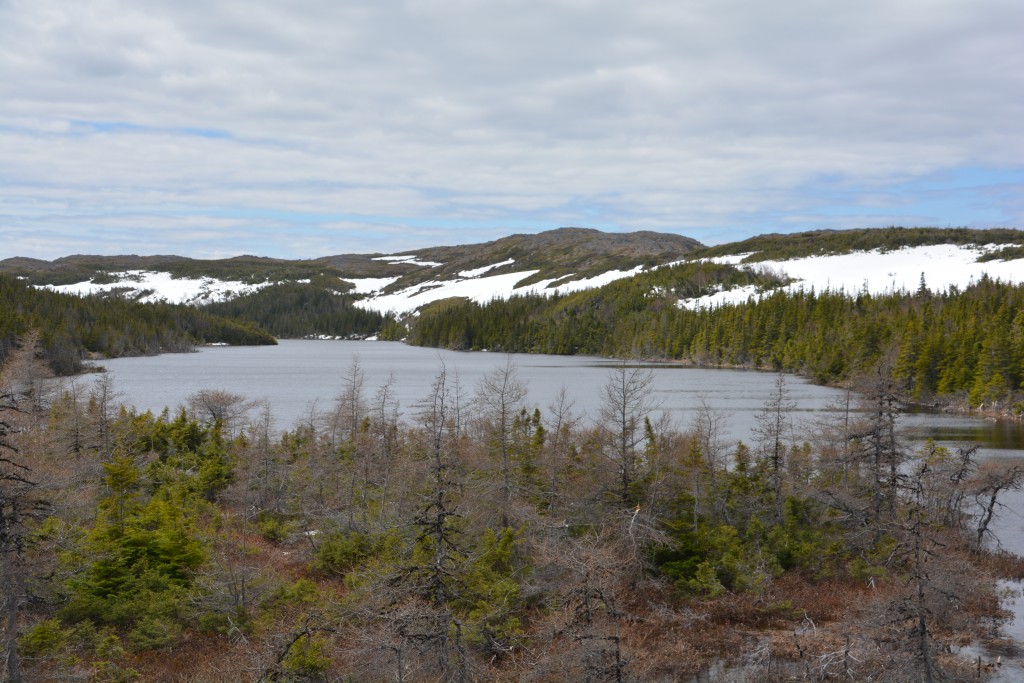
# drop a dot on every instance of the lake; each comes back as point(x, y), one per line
point(300, 376)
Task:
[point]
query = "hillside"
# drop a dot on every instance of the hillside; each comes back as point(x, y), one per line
point(563, 260)
point(775, 246)
point(70, 329)
point(880, 261)
point(558, 261)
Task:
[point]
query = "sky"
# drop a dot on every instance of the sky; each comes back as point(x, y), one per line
point(313, 127)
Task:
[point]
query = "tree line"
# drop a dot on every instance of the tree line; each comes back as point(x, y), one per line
point(294, 310)
point(71, 327)
point(478, 536)
point(966, 344)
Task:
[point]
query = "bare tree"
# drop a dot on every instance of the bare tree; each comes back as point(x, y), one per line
point(774, 432)
point(20, 503)
point(419, 597)
point(499, 398)
point(68, 411)
point(990, 481)
point(588, 572)
point(707, 428)
point(102, 403)
point(878, 448)
point(216, 406)
point(349, 424)
point(625, 404)
point(562, 423)
point(384, 435)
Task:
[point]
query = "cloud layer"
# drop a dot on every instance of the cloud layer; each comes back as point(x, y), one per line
point(313, 127)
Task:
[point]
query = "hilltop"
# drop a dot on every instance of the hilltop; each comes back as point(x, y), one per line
point(566, 259)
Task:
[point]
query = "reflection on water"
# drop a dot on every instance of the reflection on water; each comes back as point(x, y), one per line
point(996, 434)
point(297, 376)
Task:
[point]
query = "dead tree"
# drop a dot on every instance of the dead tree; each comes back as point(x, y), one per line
point(499, 398)
point(20, 502)
point(625, 403)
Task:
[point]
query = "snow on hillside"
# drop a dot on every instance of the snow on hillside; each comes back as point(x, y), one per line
point(476, 272)
point(877, 272)
point(483, 289)
point(409, 259)
point(369, 285)
point(479, 289)
point(474, 284)
point(159, 286)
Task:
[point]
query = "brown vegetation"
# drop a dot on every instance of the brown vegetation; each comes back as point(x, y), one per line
point(484, 539)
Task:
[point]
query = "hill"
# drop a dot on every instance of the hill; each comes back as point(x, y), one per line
point(875, 261)
point(71, 328)
point(566, 259)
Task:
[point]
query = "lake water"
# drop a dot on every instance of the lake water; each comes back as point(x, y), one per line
point(299, 378)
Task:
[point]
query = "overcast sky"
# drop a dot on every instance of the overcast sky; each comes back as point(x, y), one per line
point(311, 127)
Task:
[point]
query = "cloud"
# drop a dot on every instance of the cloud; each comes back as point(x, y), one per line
point(713, 119)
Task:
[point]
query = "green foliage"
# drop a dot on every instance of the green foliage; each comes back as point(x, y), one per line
point(493, 603)
point(192, 456)
point(960, 342)
point(72, 327)
point(709, 556)
point(153, 633)
point(109, 653)
point(806, 540)
point(340, 552)
point(712, 560)
point(300, 592)
point(307, 659)
point(296, 309)
point(273, 526)
point(139, 559)
point(873, 564)
point(45, 639)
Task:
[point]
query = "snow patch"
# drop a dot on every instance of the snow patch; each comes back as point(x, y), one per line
point(480, 271)
point(369, 285)
point(483, 289)
point(590, 282)
point(409, 258)
point(877, 272)
point(725, 297)
point(160, 286)
point(731, 259)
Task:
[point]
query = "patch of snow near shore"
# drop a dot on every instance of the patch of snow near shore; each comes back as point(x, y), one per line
point(877, 272)
point(162, 287)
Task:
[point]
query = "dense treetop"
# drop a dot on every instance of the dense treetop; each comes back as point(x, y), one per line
point(72, 327)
